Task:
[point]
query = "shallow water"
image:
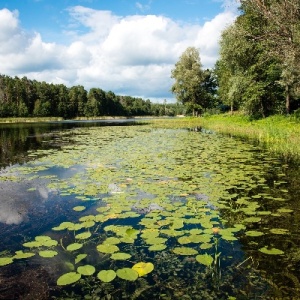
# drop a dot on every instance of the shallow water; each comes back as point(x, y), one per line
point(212, 217)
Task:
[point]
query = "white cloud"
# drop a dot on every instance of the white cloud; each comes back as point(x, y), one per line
point(130, 55)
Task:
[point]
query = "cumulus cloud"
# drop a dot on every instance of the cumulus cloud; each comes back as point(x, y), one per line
point(130, 55)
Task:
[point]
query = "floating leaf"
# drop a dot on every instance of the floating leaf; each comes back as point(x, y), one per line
point(120, 256)
point(131, 232)
point(279, 231)
point(80, 257)
point(42, 238)
point(205, 259)
point(107, 248)
point(157, 247)
point(47, 253)
point(32, 244)
point(252, 220)
point(112, 241)
point(79, 208)
point(83, 236)
point(107, 275)
point(205, 246)
point(185, 251)
point(68, 278)
point(5, 261)
point(50, 243)
point(74, 246)
point(21, 254)
point(271, 251)
point(254, 233)
point(127, 274)
point(284, 210)
point(143, 268)
point(86, 270)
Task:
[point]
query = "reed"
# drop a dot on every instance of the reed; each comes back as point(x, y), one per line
point(278, 134)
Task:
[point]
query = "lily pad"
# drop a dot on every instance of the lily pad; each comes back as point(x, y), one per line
point(86, 270)
point(5, 261)
point(205, 259)
point(127, 274)
point(79, 208)
point(143, 268)
point(47, 253)
point(254, 233)
point(68, 278)
point(107, 275)
point(120, 256)
point(74, 246)
point(21, 255)
point(157, 247)
point(80, 257)
point(107, 248)
point(279, 231)
point(185, 251)
point(271, 251)
point(83, 235)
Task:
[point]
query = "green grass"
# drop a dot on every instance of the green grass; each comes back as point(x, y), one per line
point(279, 134)
point(30, 120)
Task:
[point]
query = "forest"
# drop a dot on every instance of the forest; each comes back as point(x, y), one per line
point(22, 97)
point(257, 74)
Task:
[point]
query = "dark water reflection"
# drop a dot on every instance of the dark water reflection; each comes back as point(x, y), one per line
point(17, 139)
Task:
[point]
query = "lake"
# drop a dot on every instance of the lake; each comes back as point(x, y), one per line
point(125, 210)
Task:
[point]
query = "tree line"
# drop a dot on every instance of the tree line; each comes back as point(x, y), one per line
point(22, 97)
point(258, 71)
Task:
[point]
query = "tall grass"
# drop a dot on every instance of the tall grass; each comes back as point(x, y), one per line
point(279, 134)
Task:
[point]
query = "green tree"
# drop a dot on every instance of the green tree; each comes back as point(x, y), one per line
point(189, 76)
point(280, 34)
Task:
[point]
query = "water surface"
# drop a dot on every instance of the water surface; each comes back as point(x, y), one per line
point(210, 216)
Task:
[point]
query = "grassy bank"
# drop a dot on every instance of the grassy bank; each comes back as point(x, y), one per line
point(30, 120)
point(279, 134)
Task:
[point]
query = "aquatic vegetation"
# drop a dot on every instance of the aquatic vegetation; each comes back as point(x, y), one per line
point(159, 205)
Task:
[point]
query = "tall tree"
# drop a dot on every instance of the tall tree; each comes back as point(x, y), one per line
point(281, 34)
point(189, 76)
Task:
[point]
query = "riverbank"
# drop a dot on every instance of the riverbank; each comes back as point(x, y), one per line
point(279, 134)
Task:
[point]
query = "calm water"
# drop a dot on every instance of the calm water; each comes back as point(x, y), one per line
point(211, 217)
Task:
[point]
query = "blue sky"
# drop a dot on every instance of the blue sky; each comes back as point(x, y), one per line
point(125, 46)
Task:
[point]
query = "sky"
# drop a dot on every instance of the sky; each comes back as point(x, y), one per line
point(125, 46)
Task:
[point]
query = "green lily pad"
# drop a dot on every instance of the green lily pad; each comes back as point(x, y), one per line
point(112, 241)
point(254, 233)
point(5, 261)
point(47, 253)
point(42, 238)
point(279, 231)
point(80, 257)
point(21, 255)
point(86, 270)
point(79, 208)
point(120, 256)
point(107, 248)
point(271, 251)
point(185, 251)
point(33, 244)
point(157, 247)
point(205, 259)
point(143, 268)
point(284, 210)
point(68, 278)
point(74, 246)
point(205, 246)
point(83, 235)
point(107, 275)
point(127, 274)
